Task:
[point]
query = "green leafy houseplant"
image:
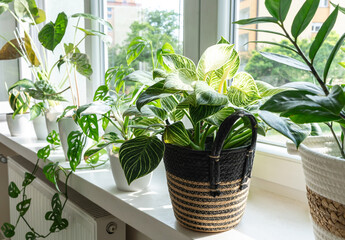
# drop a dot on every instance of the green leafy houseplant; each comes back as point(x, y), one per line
point(308, 103)
point(19, 102)
point(304, 102)
point(30, 17)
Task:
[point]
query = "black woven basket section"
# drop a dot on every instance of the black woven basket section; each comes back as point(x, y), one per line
point(208, 189)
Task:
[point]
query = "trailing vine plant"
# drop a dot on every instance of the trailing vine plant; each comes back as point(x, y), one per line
point(51, 170)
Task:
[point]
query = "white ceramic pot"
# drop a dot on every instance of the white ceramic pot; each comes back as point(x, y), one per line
point(66, 126)
point(119, 176)
point(325, 178)
point(51, 115)
point(40, 127)
point(20, 125)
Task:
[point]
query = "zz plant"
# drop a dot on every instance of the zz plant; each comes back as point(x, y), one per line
point(304, 102)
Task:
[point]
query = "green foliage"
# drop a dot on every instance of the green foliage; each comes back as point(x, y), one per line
point(278, 74)
point(19, 102)
point(159, 27)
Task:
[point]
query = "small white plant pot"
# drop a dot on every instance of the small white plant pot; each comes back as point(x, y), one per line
point(119, 175)
point(20, 125)
point(40, 127)
point(51, 116)
point(66, 126)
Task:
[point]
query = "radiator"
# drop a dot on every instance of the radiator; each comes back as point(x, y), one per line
point(87, 221)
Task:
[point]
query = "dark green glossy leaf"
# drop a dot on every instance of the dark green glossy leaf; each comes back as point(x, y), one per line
point(278, 8)
point(341, 9)
point(29, 178)
point(81, 62)
point(44, 153)
point(315, 129)
point(89, 125)
point(13, 190)
point(322, 34)
point(176, 134)
point(296, 133)
point(158, 112)
point(256, 20)
point(8, 230)
point(304, 17)
point(101, 92)
point(201, 112)
point(169, 103)
point(304, 86)
point(285, 60)
point(49, 171)
point(53, 138)
point(140, 156)
point(52, 33)
point(266, 90)
point(94, 18)
point(76, 143)
point(332, 55)
point(59, 225)
point(23, 206)
point(219, 117)
point(134, 49)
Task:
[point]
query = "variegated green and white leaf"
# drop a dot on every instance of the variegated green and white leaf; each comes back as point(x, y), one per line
point(158, 112)
point(243, 90)
point(140, 156)
point(201, 112)
point(176, 134)
point(220, 116)
point(217, 78)
point(169, 103)
point(176, 62)
point(146, 124)
point(206, 95)
point(267, 90)
point(213, 58)
point(181, 79)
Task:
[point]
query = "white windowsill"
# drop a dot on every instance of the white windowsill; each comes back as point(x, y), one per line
point(271, 211)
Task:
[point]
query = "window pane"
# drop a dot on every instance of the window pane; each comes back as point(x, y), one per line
point(155, 20)
point(275, 73)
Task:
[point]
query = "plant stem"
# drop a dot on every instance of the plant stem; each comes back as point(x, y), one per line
point(152, 57)
point(309, 63)
point(336, 139)
point(197, 133)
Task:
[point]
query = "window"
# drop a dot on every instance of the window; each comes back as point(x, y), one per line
point(323, 3)
point(315, 27)
point(158, 21)
point(275, 73)
point(245, 13)
point(242, 42)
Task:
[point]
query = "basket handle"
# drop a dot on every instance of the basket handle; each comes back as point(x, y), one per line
point(217, 146)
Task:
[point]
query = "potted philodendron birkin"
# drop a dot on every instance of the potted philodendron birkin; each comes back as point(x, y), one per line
point(308, 103)
point(204, 97)
point(18, 121)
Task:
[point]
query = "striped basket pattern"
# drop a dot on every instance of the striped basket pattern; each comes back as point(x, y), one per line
point(325, 179)
point(209, 189)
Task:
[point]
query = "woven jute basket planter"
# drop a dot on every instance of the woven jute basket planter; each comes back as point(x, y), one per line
point(325, 178)
point(209, 189)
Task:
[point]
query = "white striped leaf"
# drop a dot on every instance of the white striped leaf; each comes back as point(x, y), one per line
point(206, 95)
point(243, 90)
point(217, 78)
point(220, 116)
point(176, 134)
point(181, 79)
point(176, 62)
point(213, 58)
point(140, 156)
point(203, 111)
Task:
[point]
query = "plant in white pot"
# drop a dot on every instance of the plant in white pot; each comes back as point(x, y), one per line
point(18, 121)
point(308, 103)
point(44, 87)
